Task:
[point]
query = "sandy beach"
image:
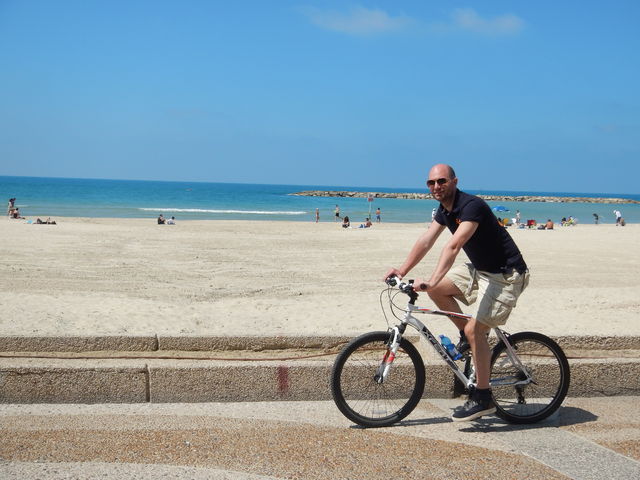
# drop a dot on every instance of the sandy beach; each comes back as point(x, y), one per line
point(241, 278)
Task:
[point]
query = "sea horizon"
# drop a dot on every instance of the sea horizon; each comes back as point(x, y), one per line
point(195, 200)
point(359, 188)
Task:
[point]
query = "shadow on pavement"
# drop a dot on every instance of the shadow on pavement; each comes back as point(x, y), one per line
point(565, 416)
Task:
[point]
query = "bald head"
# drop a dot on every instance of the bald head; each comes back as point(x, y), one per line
point(442, 170)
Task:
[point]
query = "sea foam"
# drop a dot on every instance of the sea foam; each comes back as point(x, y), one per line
point(231, 212)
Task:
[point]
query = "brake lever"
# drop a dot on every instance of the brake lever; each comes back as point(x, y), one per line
point(406, 287)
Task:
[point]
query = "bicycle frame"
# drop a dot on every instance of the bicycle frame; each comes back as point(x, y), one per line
point(410, 319)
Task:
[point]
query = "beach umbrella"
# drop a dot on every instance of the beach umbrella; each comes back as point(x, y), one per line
point(500, 208)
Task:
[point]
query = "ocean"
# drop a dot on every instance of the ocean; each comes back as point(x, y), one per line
point(71, 197)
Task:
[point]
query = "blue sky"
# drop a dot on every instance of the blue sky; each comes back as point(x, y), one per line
point(517, 95)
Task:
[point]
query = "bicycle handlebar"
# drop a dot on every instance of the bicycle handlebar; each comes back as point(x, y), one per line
point(404, 287)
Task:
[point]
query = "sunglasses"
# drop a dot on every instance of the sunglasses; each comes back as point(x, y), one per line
point(440, 181)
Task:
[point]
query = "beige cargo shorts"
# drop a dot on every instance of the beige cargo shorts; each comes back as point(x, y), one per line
point(497, 292)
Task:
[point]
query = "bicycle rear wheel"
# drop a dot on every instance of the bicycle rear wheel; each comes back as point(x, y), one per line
point(519, 400)
point(363, 399)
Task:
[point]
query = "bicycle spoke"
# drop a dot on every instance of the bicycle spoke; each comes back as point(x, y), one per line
point(533, 394)
point(365, 400)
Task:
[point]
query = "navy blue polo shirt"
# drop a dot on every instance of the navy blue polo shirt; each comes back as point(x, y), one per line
point(491, 248)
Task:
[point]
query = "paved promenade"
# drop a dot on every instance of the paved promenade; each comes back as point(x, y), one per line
point(589, 438)
point(258, 407)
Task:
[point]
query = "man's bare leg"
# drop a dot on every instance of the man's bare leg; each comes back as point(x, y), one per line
point(443, 296)
point(480, 402)
point(476, 333)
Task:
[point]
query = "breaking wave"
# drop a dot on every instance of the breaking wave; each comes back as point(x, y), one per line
point(231, 212)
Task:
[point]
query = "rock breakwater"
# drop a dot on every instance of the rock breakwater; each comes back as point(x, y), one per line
point(491, 198)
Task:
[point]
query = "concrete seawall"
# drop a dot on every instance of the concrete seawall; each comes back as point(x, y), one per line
point(218, 369)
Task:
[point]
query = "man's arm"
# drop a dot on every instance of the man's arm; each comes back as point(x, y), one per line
point(450, 251)
point(419, 250)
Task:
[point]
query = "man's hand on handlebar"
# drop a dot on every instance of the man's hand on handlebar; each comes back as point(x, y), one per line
point(420, 285)
point(394, 276)
point(393, 272)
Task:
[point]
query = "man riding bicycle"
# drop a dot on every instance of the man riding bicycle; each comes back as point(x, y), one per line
point(495, 278)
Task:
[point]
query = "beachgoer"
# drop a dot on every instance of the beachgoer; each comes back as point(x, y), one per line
point(161, 220)
point(548, 225)
point(16, 213)
point(378, 215)
point(317, 215)
point(171, 221)
point(517, 217)
point(618, 215)
point(345, 222)
point(596, 218)
point(337, 213)
point(497, 274)
point(367, 223)
point(11, 206)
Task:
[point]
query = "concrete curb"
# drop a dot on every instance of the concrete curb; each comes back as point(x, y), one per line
point(152, 343)
point(29, 379)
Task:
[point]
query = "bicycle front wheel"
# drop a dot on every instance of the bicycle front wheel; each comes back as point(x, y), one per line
point(356, 386)
point(533, 394)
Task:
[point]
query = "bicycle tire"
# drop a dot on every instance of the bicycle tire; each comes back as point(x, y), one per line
point(360, 397)
point(546, 363)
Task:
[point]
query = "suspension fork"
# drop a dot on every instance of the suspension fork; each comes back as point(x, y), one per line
point(390, 354)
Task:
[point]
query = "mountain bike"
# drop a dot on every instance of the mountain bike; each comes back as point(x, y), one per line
point(379, 377)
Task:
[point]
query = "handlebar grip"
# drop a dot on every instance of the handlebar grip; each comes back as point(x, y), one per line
point(392, 281)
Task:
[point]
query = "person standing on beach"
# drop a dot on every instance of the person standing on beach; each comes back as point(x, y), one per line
point(11, 206)
point(496, 276)
point(337, 213)
point(317, 215)
point(517, 217)
point(618, 215)
point(378, 215)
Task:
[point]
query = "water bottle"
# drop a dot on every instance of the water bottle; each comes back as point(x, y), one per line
point(450, 347)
